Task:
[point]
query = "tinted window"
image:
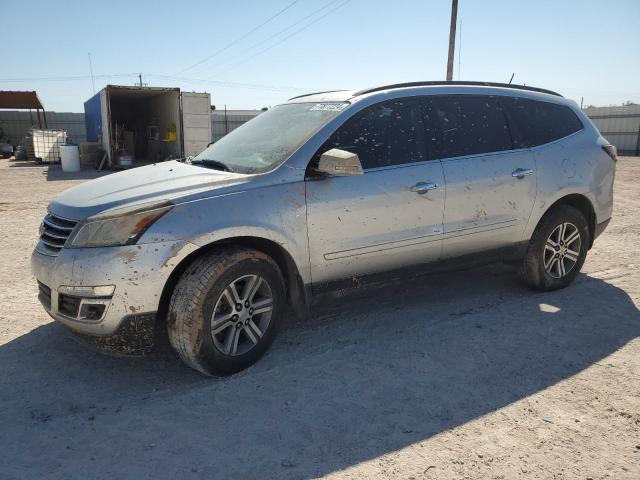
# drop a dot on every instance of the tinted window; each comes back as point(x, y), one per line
point(388, 133)
point(535, 123)
point(466, 125)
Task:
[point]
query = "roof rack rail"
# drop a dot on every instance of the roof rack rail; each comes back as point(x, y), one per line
point(317, 93)
point(456, 82)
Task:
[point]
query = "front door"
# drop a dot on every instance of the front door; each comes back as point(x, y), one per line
point(387, 218)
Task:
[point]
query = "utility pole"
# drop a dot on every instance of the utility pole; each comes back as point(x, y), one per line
point(452, 38)
point(140, 77)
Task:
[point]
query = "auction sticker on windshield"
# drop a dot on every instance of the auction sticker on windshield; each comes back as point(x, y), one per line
point(330, 107)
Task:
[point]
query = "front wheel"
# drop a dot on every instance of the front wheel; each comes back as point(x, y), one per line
point(224, 311)
point(557, 250)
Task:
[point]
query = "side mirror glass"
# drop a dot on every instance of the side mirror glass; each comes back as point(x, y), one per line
point(339, 163)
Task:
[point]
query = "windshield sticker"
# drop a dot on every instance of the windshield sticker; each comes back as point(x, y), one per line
point(329, 107)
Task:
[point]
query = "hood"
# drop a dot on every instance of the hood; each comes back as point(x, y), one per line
point(161, 181)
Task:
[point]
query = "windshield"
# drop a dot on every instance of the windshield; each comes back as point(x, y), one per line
point(270, 138)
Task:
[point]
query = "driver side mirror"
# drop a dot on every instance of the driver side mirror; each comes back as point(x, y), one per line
point(339, 163)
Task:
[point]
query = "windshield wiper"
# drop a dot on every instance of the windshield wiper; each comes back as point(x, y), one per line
point(212, 163)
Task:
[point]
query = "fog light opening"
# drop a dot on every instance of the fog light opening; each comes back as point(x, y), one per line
point(92, 311)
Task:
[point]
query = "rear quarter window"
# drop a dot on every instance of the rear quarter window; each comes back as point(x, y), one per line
point(535, 123)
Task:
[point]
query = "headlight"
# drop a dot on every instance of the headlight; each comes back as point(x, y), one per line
point(118, 227)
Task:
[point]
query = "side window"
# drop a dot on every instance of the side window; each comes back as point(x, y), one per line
point(536, 123)
point(466, 125)
point(388, 133)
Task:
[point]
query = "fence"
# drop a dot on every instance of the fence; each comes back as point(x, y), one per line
point(224, 122)
point(16, 124)
point(619, 125)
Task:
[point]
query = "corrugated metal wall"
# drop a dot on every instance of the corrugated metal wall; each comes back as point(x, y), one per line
point(16, 124)
point(221, 125)
point(619, 125)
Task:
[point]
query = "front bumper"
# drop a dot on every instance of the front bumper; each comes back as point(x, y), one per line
point(138, 273)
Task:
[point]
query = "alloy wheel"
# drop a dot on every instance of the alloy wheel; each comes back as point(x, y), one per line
point(562, 250)
point(241, 315)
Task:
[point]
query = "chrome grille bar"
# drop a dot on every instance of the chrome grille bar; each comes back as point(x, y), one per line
point(54, 233)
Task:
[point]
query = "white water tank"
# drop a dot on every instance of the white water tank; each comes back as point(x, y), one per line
point(70, 156)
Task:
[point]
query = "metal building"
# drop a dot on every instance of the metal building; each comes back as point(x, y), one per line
point(619, 125)
point(148, 123)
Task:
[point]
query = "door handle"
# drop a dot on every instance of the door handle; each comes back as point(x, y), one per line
point(521, 172)
point(423, 187)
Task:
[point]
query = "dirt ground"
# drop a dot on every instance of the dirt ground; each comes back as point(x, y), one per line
point(460, 375)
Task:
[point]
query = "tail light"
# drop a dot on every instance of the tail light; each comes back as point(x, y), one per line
point(611, 151)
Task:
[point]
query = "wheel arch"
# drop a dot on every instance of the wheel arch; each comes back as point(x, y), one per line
point(581, 203)
point(296, 294)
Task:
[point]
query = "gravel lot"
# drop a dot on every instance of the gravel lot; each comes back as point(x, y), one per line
point(460, 375)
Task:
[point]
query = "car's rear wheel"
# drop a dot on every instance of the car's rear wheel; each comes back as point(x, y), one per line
point(224, 311)
point(557, 250)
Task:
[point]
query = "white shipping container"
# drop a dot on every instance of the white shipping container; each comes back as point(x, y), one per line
point(150, 124)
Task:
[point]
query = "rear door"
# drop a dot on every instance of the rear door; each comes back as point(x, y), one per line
point(387, 218)
point(491, 187)
point(196, 122)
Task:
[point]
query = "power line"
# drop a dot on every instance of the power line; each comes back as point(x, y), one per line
point(249, 86)
point(63, 79)
point(279, 32)
point(252, 86)
point(240, 38)
point(283, 40)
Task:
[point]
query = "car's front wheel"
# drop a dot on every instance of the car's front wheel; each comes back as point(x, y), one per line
point(557, 250)
point(224, 311)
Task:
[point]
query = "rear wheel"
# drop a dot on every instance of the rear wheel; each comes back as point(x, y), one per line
point(557, 250)
point(224, 311)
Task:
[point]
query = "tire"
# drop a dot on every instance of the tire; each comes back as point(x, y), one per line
point(550, 276)
point(204, 289)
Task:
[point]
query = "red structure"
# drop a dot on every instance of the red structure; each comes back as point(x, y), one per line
point(23, 101)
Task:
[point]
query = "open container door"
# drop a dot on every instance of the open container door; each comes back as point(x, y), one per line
point(105, 127)
point(196, 122)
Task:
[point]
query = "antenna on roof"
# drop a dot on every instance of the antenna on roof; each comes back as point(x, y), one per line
point(511, 79)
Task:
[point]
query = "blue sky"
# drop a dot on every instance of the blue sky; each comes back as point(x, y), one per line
point(580, 48)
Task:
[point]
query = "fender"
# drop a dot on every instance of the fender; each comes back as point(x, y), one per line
point(543, 206)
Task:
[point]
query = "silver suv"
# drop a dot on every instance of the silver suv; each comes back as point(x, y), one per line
point(327, 187)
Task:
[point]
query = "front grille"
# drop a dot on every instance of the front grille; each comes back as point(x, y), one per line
point(44, 295)
point(54, 232)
